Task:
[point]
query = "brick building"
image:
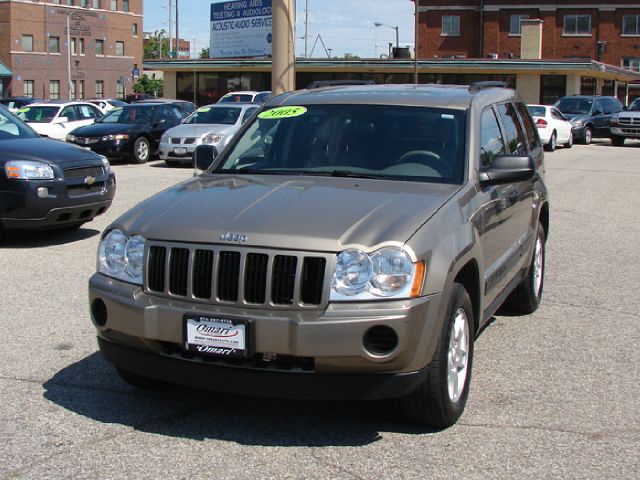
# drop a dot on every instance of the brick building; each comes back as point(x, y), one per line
point(606, 31)
point(99, 56)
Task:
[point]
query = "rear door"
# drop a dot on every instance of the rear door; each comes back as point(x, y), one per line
point(599, 119)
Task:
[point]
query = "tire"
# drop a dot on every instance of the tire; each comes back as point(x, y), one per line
point(441, 398)
point(617, 141)
point(551, 146)
point(141, 150)
point(138, 381)
point(588, 136)
point(526, 297)
point(569, 143)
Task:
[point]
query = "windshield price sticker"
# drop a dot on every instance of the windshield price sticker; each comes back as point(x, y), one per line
point(204, 109)
point(24, 110)
point(219, 337)
point(282, 112)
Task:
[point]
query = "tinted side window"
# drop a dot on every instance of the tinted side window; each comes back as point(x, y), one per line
point(512, 129)
point(491, 142)
point(69, 112)
point(597, 107)
point(612, 105)
point(529, 129)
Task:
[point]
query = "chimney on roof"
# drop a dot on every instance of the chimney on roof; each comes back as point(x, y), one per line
point(531, 39)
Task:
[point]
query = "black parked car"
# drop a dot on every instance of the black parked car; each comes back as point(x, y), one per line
point(16, 103)
point(131, 132)
point(48, 184)
point(589, 115)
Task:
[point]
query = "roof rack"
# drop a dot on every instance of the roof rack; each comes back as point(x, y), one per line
point(476, 87)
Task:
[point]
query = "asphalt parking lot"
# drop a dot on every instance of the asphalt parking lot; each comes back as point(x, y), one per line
point(554, 395)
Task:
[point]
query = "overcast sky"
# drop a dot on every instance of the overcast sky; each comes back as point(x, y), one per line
point(345, 26)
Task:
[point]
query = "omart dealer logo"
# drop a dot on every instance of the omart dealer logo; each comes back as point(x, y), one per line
point(217, 332)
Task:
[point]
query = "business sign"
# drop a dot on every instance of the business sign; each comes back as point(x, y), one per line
point(240, 28)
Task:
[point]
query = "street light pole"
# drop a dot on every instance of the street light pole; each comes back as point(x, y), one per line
point(396, 28)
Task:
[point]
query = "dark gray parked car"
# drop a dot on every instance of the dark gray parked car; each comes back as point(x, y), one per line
point(589, 115)
point(349, 243)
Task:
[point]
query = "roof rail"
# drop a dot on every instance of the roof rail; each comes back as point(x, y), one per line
point(476, 87)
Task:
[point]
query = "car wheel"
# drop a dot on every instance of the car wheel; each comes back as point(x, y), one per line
point(588, 136)
point(141, 150)
point(617, 140)
point(551, 146)
point(569, 143)
point(527, 295)
point(440, 399)
point(138, 381)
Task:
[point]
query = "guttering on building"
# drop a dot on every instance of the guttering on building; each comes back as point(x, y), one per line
point(105, 44)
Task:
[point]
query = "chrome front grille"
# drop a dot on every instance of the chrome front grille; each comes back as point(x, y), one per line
point(221, 274)
point(182, 141)
point(83, 172)
point(629, 121)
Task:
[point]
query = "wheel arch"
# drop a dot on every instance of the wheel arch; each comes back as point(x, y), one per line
point(544, 218)
point(469, 277)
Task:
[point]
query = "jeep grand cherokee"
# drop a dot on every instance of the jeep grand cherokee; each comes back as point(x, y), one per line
point(348, 244)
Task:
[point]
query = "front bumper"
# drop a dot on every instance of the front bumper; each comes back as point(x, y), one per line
point(177, 152)
point(25, 206)
point(112, 149)
point(628, 132)
point(324, 348)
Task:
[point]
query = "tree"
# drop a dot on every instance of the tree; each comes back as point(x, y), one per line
point(148, 85)
point(204, 53)
point(157, 46)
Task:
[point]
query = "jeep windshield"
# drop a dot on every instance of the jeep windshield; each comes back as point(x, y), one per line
point(366, 141)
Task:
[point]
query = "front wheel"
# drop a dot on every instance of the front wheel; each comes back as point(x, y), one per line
point(441, 398)
point(551, 146)
point(141, 150)
point(588, 136)
point(569, 143)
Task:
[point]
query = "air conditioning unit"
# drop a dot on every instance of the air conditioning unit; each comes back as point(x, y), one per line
point(492, 56)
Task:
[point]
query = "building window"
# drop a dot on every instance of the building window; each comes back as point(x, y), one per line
point(81, 46)
point(134, 29)
point(114, 5)
point(73, 46)
point(120, 49)
point(27, 88)
point(27, 43)
point(57, 2)
point(54, 44)
point(54, 89)
point(451, 25)
point(72, 93)
point(515, 24)
point(631, 24)
point(631, 63)
point(96, 3)
point(84, 3)
point(577, 25)
point(120, 89)
point(81, 90)
point(125, 5)
point(99, 47)
point(99, 88)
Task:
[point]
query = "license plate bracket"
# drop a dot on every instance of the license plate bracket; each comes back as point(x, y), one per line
point(217, 336)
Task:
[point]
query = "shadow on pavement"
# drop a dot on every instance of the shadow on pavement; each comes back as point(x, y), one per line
point(44, 238)
point(92, 388)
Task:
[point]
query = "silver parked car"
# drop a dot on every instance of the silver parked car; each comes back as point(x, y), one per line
point(210, 125)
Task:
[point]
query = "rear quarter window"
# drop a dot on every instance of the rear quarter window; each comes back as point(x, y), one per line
point(530, 131)
point(512, 129)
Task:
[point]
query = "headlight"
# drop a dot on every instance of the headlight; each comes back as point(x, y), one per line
point(576, 123)
point(119, 137)
point(71, 138)
point(164, 138)
point(105, 164)
point(614, 121)
point(26, 170)
point(122, 256)
point(389, 272)
point(212, 138)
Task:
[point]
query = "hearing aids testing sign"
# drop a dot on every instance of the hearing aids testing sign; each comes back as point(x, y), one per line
point(241, 28)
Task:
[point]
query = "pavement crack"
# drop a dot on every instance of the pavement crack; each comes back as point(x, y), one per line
point(589, 435)
point(591, 307)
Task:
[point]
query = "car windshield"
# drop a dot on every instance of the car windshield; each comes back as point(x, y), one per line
point(11, 127)
point(536, 111)
point(237, 98)
point(43, 114)
point(367, 141)
point(217, 115)
point(574, 106)
point(634, 107)
point(129, 114)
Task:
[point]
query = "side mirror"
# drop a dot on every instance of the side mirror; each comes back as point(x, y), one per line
point(203, 157)
point(61, 120)
point(160, 122)
point(508, 169)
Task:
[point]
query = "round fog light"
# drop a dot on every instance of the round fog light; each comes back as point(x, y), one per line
point(99, 312)
point(380, 340)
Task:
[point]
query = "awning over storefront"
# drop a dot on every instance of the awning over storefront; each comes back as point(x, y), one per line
point(4, 71)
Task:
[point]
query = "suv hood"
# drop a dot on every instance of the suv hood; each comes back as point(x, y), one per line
point(299, 213)
point(44, 150)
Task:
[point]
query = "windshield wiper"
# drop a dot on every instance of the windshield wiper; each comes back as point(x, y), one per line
point(343, 173)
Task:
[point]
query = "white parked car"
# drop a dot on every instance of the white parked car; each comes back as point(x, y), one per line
point(210, 125)
point(553, 127)
point(58, 119)
point(246, 97)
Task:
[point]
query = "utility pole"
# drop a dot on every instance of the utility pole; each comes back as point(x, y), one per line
point(170, 29)
point(177, 32)
point(415, 44)
point(283, 75)
point(69, 55)
point(306, 27)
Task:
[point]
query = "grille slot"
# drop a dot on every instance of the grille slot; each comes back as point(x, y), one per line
point(202, 273)
point(312, 280)
point(156, 272)
point(283, 279)
point(178, 271)
point(228, 276)
point(255, 278)
point(216, 274)
point(74, 173)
